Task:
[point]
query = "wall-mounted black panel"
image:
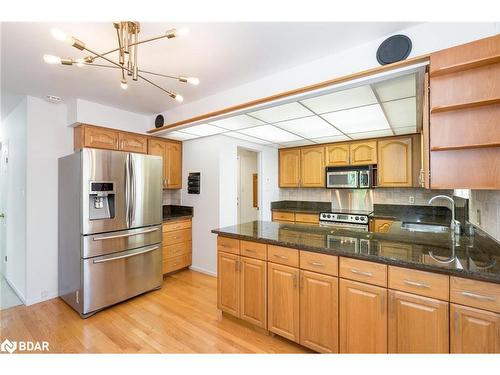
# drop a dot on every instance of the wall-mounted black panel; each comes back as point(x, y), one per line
point(194, 183)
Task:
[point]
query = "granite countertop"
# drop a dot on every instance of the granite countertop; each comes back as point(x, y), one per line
point(305, 207)
point(476, 257)
point(416, 214)
point(176, 212)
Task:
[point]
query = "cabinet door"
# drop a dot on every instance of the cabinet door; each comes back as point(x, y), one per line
point(395, 162)
point(173, 165)
point(319, 312)
point(289, 167)
point(337, 155)
point(417, 324)
point(159, 148)
point(228, 283)
point(101, 138)
point(312, 167)
point(363, 318)
point(473, 330)
point(254, 291)
point(363, 153)
point(381, 225)
point(133, 143)
point(283, 301)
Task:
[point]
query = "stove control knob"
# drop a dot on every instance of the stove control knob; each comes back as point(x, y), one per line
point(357, 217)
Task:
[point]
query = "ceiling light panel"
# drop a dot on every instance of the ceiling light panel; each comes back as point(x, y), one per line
point(237, 122)
point(303, 142)
point(406, 130)
point(271, 133)
point(340, 100)
point(396, 88)
point(372, 134)
point(401, 113)
point(357, 120)
point(204, 130)
point(309, 127)
point(180, 136)
point(337, 138)
point(283, 112)
point(247, 138)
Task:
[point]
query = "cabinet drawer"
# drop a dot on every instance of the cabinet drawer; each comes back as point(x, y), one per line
point(283, 216)
point(177, 236)
point(307, 218)
point(322, 263)
point(361, 270)
point(177, 249)
point(228, 245)
point(253, 249)
point(283, 255)
point(176, 263)
point(176, 225)
point(419, 282)
point(474, 293)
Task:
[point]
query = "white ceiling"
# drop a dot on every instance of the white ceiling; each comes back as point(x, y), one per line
point(221, 55)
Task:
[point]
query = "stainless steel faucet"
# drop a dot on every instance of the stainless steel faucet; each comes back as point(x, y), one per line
point(454, 225)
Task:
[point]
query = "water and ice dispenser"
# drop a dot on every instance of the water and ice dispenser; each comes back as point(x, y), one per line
point(101, 200)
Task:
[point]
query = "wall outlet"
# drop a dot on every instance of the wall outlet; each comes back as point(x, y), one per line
point(478, 216)
point(411, 199)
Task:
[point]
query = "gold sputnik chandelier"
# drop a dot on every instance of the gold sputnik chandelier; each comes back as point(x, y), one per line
point(127, 33)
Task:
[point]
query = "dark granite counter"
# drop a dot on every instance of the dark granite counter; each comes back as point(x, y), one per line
point(176, 212)
point(415, 214)
point(305, 207)
point(476, 257)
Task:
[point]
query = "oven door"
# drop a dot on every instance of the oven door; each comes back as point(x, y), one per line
point(342, 179)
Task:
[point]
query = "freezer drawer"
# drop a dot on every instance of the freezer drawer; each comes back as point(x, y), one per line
point(114, 278)
point(112, 242)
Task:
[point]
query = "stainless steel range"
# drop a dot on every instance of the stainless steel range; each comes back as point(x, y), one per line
point(346, 219)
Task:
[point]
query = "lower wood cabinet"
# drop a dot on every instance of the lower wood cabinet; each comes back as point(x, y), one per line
point(319, 312)
point(417, 324)
point(253, 295)
point(363, 318)
point(228, 283)
point(473, 330)
point(283, 300)
point(177, 245)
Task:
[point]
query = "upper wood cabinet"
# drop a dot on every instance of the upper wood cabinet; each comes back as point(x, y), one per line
point(363, 153)
point(312, 166)
point(95, 137)
point(337, 155)
point(133, 143)
point(395, 162)
point(283, 301)
point(171, 152)
point(363, 318)
point(417, 324)
point(289, 167)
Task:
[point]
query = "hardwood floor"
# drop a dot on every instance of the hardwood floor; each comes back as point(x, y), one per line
point(182, 317)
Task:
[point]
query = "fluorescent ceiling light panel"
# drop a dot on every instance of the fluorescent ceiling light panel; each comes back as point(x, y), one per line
point(203, 130)
point(180, 136)
point(309, 127)
point(270, 133)
point(357, 120)
point(372, 134)
point(237, 122)
point(246, 138)
point(396, 88)
point(340, 100)
point(406, 130)
point(283, 112)
point(401, 113)
point(337, 138)
point(303, 142)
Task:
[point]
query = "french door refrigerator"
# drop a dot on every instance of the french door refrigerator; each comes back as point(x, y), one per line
point(110, 214)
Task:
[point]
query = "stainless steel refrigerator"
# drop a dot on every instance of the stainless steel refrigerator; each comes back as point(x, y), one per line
point(110, 214)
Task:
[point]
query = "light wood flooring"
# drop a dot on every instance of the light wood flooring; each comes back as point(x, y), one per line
point(180, 318)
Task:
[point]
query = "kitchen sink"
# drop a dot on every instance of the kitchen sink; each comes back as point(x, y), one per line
point(421, 227)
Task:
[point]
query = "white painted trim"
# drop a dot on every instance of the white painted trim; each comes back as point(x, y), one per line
point(40, 299)
point(17, 291)
point(203, 270)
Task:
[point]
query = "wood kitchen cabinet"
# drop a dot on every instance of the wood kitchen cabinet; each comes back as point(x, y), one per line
point(177, 245)
point(363, 318)
point(171, 152)
point(395, 162)
point(312, 166)
point(253, 282)
point(319, 312)
point(337, 155)
point(363, 153)
point(289, 167)
point(228, 283)
point(417, 324)
point(133, 143)
point(381, 225)
point(473, 330)
point(95, 137)
point(283, 301)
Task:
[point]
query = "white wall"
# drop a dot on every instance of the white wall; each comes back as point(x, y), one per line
point(248, 166)
point(426, 37)
point(13, 131)
point(216, 159)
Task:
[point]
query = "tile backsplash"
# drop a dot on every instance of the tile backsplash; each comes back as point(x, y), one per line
point(171, 197)
point(484, 211)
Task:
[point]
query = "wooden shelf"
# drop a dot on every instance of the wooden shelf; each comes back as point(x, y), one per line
point(456, 107)
point(465, 147)
point(465, 66)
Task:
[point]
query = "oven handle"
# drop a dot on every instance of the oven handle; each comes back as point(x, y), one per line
point(126, 256)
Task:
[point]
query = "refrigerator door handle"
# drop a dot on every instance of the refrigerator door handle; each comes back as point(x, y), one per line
point(125, 235)
point(133, 190)
point(127, 190)
point(126, 256)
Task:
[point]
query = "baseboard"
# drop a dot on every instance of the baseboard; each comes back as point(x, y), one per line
point(33, 301)
point(203, 270)
point(17, 291)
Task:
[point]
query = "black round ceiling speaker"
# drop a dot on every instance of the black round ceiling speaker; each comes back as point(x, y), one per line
point(159, 121)
point(393, 49)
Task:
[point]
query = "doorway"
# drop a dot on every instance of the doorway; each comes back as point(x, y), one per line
point(248, 186)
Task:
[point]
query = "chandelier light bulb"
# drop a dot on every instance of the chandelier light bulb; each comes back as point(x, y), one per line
point(123, 84)
point(79, 62)
point(179, 98)
point(193, 80)
point(51, 59)
point(183, 31)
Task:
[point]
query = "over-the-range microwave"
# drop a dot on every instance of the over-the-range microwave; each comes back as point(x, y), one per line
point(349, 177)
